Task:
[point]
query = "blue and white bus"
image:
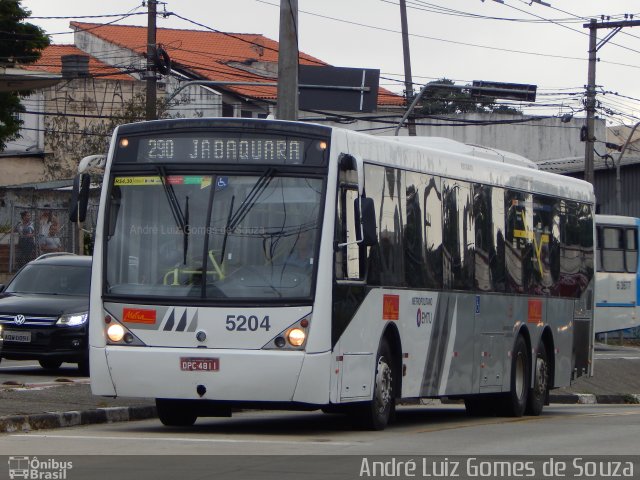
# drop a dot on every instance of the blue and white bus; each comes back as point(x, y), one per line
point(431, 269)
point(617, 281)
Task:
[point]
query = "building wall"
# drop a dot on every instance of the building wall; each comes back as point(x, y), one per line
point(81, 116)
point(605, 190)
point(17, 170)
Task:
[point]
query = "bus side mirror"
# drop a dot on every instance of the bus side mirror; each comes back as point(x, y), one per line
point(365, 221)
point(79, 198)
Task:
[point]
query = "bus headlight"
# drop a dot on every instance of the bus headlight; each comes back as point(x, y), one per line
point(115, 332)
point(72, 319)
point(296, 337)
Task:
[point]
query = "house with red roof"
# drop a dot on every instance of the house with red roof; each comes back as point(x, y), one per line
point(104, 84)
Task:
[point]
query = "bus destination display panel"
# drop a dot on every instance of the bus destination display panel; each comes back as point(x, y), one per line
point(222, 148)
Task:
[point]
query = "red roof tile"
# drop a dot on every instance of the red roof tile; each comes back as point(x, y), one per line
point(51, 62)
point(211, 55)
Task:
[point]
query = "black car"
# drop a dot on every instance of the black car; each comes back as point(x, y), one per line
point(44, 312)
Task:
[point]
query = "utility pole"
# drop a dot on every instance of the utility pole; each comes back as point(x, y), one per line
point(287, 106)
point(594, 46)
point(408, 79)
point(590, 105)
point(151, 57)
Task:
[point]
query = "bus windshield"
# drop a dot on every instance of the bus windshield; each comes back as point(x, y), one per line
point(231, 237)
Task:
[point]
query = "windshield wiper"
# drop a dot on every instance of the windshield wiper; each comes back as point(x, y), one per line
point(179, 217)
point(250, 200)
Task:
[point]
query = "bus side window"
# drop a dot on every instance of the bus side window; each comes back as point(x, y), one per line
point(631, 250)
point(612, 250)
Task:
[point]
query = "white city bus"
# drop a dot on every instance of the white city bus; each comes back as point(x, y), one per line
point(617, 281)
point(244, 263)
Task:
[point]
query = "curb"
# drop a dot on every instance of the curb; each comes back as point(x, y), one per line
point(38, 421)
point(591, 399)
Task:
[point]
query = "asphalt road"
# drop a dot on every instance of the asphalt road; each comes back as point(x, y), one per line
point(418, 430)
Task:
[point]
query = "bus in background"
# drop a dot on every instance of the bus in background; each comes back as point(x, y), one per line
point(617, 282)
point(244, 263)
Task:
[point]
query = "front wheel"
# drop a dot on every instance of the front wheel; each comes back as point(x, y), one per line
point(515, 401)
point(50, 364)
point(174, 413)
point(375, 415)
point(538, 394)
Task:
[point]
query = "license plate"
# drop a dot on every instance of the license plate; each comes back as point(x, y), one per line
point(22, 337)
point(200, 364)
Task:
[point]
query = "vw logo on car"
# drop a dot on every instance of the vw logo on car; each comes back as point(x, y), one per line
point(19, 319)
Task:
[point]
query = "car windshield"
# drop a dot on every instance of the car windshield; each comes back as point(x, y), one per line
point(52, 280)
point(235, 237)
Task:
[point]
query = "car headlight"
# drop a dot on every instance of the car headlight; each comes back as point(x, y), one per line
point(72, 319)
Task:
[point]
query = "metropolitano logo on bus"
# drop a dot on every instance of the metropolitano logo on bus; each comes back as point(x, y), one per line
point(38, 469)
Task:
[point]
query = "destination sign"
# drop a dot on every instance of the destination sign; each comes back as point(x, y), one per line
point(222, 148)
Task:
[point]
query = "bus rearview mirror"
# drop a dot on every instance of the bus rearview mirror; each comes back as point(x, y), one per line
point(365, 221)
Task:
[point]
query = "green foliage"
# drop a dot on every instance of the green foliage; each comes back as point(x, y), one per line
point(20, 43)
point(440, 100)
point(10, 124)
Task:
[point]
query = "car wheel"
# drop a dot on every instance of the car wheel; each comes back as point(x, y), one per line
point(50, 364)
point(83, 367)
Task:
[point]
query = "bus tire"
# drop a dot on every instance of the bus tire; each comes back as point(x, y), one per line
point(538, 394)
point(375, 415)
point(514, 402)
point(174, 413)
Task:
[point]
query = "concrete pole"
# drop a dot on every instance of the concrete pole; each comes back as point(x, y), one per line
point(151, 55)
point(287, 106)
point(591, 104)
point(408, 78)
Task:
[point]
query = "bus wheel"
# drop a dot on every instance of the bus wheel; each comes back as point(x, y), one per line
point(538, 394)
point(174, 413)
point(515, 402)
point(375, 415)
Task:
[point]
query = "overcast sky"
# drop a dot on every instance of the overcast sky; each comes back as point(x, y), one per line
point(545, 50)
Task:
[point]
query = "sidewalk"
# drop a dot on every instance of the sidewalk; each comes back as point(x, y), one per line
point(70, 403)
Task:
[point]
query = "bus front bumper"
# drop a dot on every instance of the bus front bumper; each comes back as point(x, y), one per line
point(212, 374)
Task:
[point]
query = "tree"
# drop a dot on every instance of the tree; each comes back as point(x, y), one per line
point(442, 99)
point(20, 43)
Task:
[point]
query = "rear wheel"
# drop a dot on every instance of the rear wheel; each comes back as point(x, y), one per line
point(538, 394)
point(515, 402)
point(50, 364)
point(375, 415)
point(174, 413)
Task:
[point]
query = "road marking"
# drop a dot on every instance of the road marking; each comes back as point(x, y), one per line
point(612, 414)
point(615, 357)
point(192, 440)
